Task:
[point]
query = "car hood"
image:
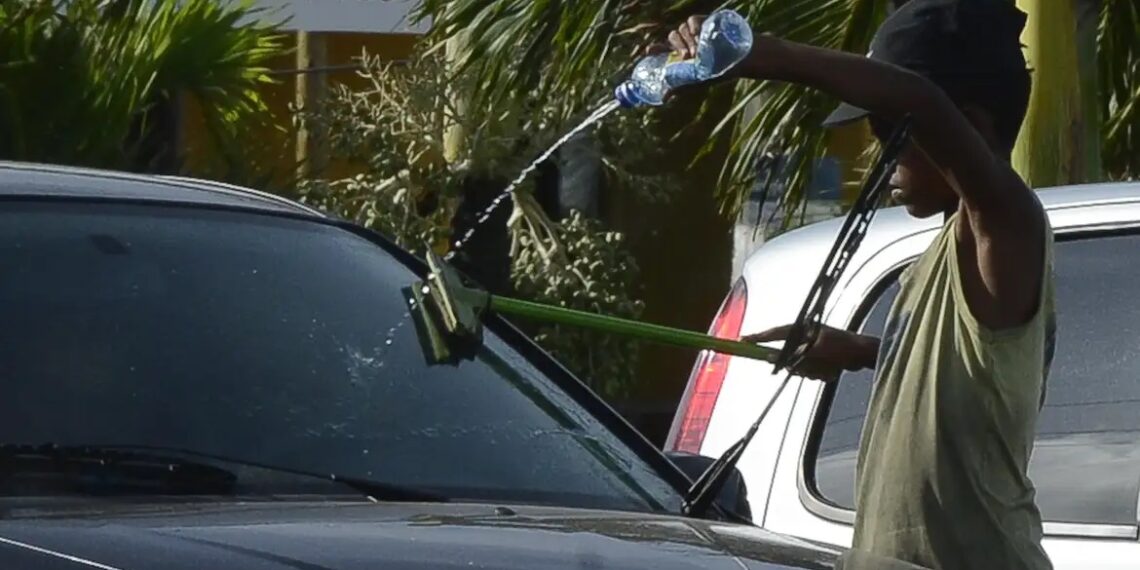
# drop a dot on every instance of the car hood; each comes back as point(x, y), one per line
point(338, 536)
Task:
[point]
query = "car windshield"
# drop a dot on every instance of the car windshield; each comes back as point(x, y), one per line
point(279, 341)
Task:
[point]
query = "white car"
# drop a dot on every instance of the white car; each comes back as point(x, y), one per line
point(800, 467)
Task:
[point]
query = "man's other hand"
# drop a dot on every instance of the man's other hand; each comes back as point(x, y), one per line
point(834, 351)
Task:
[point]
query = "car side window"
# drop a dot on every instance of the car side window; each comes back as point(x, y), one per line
point(839, 444)
point(1086, 460)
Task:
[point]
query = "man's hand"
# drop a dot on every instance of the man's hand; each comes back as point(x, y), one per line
point(834, 351)
point(683, 42)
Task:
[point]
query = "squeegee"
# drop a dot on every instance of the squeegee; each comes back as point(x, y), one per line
point(448, 314)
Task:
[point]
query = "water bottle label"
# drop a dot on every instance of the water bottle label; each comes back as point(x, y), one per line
point(685, 72)
point(724, 41)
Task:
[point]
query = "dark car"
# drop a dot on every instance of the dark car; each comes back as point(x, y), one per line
point(201, 376)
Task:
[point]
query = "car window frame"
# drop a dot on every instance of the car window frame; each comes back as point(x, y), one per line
point(529, 350)
point(819, 506)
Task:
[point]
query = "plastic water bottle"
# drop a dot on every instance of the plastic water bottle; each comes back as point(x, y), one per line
point(725, 40)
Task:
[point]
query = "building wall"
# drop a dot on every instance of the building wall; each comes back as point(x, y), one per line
point(272, 152)
point(356, 16)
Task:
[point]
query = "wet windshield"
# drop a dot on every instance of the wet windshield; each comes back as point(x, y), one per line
point(271, 340)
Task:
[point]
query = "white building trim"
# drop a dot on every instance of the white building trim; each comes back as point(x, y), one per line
point(372, 16)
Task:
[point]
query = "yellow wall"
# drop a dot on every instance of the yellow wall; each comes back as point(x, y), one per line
point(847, 144)
point(275, 148)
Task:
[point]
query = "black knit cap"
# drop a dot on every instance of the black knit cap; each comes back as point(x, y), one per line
point(950, 42)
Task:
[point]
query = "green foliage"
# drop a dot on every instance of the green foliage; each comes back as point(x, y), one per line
point(395, 128)
point(399, 129)
point(81, 75)
point(1119, 58)
point(788, 117)
point(592, 272)
point(517, 47)
point(580, 50)
point(383, 205)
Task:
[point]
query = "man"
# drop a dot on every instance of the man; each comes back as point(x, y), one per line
point(941, 477)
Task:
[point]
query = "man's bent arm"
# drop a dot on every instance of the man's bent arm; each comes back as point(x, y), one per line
point(869, 351)
point(1004, 216)
point(891, 92)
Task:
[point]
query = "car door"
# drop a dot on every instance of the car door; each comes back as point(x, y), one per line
point(1086, 463)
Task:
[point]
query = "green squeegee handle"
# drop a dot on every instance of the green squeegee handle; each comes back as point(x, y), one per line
point(629, 328)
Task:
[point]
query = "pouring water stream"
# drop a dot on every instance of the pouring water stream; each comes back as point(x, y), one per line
point(485, 215)
point(589, 121)
point(725, 40)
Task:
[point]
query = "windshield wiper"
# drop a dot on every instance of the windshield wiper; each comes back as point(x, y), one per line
point(806, 328)
point(100, 471)
point(169, 468)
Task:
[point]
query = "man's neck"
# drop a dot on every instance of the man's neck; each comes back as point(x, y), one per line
point(948, 212)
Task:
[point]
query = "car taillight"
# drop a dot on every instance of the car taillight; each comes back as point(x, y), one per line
point(688, 430)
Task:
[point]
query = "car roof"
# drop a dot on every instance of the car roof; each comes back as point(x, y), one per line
point(893, 223)
point(31, 180)
point(798, 253)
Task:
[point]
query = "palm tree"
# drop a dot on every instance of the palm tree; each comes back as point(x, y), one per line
point(526, 46)
point(87, 82)
point(1118, 58)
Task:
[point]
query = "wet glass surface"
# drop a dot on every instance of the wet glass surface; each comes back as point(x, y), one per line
point(278, 341)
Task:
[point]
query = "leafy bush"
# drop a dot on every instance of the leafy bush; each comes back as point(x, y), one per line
point(422, 146)
point(594, 272)
point(82, 80)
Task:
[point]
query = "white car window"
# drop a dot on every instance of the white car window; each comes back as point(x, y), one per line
point(1086, 464)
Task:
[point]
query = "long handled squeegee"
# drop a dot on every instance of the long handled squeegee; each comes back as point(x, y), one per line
point(448, 317)
point(448, 312)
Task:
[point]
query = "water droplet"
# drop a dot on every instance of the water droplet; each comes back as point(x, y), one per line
point(590, 120)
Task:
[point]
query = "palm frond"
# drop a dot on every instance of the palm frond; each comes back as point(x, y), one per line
point(86, 72)
point(519, 48)
point(527, 49)
point(779, 124)
point(1119, 59)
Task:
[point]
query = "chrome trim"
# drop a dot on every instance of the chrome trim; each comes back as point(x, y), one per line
point(55, 554)
point(1138, 509)
point(831, 513)
point(783, 443)
point(172, 180)
point(819, 507)
point(1086, 530)
point(235, 190)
